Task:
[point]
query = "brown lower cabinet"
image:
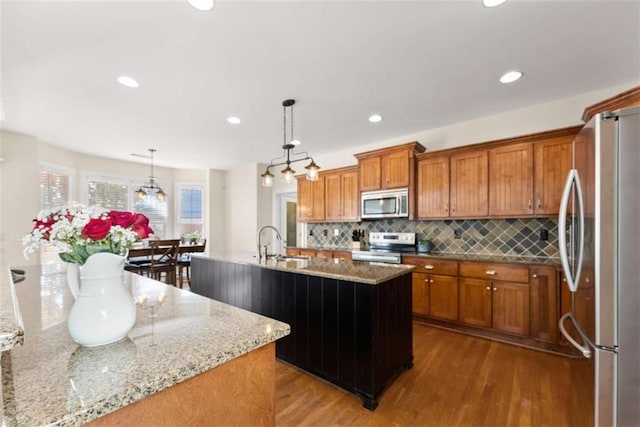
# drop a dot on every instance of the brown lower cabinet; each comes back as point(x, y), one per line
point(518, 301)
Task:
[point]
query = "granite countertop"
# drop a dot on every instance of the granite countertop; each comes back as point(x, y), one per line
point(324, 248)
point(51, 380)
point(11, 325)
point(506, 259)
point(355, 271)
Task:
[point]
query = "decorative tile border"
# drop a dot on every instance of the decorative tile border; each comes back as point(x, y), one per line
point(511, 237)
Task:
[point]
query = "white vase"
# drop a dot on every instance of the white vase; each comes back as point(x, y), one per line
point(103, 311)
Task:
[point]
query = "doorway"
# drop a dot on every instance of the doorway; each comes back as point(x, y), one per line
point(288, 220)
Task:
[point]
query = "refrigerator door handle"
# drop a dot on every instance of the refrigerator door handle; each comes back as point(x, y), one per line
point(572, 281)
point(584, 348)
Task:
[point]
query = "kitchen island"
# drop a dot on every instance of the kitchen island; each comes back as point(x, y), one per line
point(187, 360)
point(350, 321)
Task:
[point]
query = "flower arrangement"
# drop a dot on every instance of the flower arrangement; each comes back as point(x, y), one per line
point(80, 231)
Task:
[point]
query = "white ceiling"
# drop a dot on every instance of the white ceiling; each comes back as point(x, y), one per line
point(420, 64)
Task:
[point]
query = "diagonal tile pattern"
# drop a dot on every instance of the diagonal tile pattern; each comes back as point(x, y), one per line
point(511, 237)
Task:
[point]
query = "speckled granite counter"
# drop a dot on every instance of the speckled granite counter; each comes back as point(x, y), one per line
point(356, 271)
point(507, 259)
point(11, 325)
point(50, 380)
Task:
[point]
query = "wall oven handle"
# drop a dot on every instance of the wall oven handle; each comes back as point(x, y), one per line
point(584, 348)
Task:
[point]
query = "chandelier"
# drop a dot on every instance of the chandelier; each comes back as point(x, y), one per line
point(151, 186)
point(289, 156)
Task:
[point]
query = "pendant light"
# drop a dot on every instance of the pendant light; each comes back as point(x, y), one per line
point(289, 156)
point(151, 186)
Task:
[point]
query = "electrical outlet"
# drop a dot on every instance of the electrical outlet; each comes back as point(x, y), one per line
point(311, 232)
point(457, 233)
point(325, 232)
point(336, 231)
point(544, 235)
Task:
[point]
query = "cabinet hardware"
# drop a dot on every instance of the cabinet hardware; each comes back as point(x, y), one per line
point(431, 281)
point(491, 272)
point(428, 267)
point(488, 288)
point(539, 203)
point(426, 280)
point(534, 275)
point(495, 289)
point(530, 204)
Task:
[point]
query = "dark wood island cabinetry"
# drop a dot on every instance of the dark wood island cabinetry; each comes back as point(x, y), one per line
point(346, 327)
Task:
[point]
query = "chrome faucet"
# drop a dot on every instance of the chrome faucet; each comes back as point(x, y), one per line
point(260, 246)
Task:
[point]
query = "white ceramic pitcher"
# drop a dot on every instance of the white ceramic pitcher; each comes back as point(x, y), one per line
point(103, 311)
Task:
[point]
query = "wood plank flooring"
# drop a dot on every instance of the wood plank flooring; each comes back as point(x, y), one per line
point(457, 380)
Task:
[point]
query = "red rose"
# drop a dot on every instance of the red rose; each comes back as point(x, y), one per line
point(123, 219)
point(97, 229)
point(140, 226)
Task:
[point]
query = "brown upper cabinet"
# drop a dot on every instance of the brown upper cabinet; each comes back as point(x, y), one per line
point(515, 177)
point(386, 168)
point(629, 98)
point(469, 184)
point(433, 187)
point(511, 180)
point(341, 194)
point(310, 199)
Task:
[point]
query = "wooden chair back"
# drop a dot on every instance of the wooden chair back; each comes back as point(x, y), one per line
point(164, 259)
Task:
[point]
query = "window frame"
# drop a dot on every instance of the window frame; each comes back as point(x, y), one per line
point(178, 206)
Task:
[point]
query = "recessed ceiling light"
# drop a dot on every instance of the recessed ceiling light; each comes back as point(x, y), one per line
point(510, 76)
point(375, 118)
point(492, 3)
point(203, 5)
point(128, 81)
point(233, 120)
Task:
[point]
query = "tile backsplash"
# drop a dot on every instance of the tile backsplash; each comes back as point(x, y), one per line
point(513, 237)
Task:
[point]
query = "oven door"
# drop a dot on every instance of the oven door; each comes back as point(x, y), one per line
point(370, 256)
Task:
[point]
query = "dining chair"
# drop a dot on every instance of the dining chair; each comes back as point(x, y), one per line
point(184, 261)
point(163, 260)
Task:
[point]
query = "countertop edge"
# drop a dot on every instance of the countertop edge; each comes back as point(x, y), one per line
point(12, 332)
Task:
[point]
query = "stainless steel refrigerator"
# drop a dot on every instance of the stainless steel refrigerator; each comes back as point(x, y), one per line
point(599, 240)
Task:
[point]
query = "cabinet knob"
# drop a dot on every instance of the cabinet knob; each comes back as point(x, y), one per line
point(431, 281)
point(488, 288)
point(495, 289)
point(534, 275)
point(530, 204)
point(426, 280)
point(539, 203)
point(446, 210)
point(428, 267)
point(491, 272)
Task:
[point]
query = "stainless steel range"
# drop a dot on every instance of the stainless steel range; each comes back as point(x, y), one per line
point(386, 247)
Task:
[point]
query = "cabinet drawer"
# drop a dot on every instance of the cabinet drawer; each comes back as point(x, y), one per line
point(432, 266)
point(511, 273)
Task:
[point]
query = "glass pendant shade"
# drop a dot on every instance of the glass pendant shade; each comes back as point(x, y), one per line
point(267, 179)
point(141, 194)
point(312, 171)
point(287, 175)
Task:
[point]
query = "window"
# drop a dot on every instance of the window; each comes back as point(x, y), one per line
point(190, 209)
point(118, 194)
point(55, 192)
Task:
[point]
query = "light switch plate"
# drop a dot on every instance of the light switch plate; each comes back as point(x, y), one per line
point(336, 231)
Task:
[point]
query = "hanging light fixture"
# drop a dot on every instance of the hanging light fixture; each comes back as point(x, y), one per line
point(289, 156)
point(151, 187)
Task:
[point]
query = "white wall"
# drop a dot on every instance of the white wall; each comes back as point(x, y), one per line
point(215, 206)
point(241, 208)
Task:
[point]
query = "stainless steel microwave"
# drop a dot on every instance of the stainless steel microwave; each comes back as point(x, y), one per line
point(385, 204)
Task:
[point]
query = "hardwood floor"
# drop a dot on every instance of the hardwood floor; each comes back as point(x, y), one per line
point(457, 380)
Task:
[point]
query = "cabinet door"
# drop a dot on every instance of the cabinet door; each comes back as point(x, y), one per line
point(342, 255)
point(511, 307)
point(433, 187)
point(369, 173)
point(305, 200)
point(324, 254)
point(318, 199)
point(395, 169)
point(293, 252)
point(443, 297)
point(350, 196)
point(307, 252)
point(469, 184)
point(552, 163)
point(420, 294)
point(511, 180)
point(544, 295)
point(333, 197)
point(475, 302)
